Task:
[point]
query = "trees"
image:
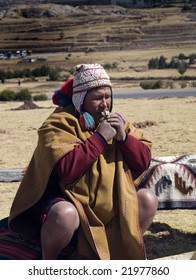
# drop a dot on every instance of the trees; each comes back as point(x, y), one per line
point(158, 63)
point(162, 62)
point(182, 67)
point(153, 63)
point(180, 62)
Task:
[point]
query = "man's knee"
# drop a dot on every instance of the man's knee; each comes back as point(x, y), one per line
point(147, 199)
point(64, 213)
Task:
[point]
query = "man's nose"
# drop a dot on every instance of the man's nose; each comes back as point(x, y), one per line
point(104, 103)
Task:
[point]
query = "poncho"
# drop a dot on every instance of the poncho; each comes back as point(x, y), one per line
point(105, 195)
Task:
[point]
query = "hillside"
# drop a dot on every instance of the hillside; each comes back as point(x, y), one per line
point(64, 28)
point(123, 3)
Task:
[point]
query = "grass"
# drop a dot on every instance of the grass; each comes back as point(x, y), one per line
point(130, 64)
point(173, 231)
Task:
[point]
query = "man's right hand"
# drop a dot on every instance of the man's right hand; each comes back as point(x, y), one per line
point(106, 130)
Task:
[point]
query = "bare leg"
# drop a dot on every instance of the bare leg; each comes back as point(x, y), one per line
point(148, 203)
point(62, 220)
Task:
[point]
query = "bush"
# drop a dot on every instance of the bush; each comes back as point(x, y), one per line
point(26, 73)
point(54, 75)
point(151, 85)
point(169, 84)
point(109, 66)
point(157, 84)
point(2, 75)
point(40, 97)
point(41, 71)
point(146, 85)
point(7, 95)
point(23, 94)
point(183, 84)
point(193, 84)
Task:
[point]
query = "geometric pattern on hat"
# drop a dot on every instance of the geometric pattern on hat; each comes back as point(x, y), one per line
point(87, 77)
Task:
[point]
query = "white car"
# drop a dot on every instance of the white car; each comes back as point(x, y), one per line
point(2, 56)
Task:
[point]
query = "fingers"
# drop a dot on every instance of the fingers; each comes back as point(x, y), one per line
point(112, 127)
point(116, 121)
point(106, 130)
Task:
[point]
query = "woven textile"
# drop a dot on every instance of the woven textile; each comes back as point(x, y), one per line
point(173, 179)
point(13, 248)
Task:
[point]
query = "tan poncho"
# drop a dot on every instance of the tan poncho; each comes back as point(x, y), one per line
point(104, 196)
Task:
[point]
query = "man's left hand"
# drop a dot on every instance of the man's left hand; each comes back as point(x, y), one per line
point(116, 121)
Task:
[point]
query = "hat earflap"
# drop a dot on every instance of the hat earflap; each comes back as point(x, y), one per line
point(87, 121)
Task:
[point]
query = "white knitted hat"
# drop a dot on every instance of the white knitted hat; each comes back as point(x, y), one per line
point(86, 77)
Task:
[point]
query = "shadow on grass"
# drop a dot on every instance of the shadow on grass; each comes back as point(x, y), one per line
point(161, 240)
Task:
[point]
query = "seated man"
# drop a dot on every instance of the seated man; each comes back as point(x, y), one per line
point(81, 182)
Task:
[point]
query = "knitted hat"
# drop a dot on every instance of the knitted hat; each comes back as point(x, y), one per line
point(87, 77)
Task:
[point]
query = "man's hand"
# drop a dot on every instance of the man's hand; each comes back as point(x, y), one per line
point(116, 122)
point(106, 130)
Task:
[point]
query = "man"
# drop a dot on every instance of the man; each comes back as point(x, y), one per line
point(81, 181)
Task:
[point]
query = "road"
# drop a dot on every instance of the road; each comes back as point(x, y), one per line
point(129, 93)
point(124, 93)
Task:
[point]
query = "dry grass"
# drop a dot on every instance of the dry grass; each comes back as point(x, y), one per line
point(130, 64)
point(172, 134)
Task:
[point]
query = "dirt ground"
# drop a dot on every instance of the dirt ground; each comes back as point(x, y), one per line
point(168, 122)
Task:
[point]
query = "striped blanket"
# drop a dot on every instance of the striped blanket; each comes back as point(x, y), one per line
point(13, 248)
point(173, 179)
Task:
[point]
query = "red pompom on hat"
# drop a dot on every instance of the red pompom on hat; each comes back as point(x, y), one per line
point(67, 88)
point(63, 97)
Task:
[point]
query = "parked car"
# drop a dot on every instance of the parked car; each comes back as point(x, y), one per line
point(21, 53)
point(2, 56)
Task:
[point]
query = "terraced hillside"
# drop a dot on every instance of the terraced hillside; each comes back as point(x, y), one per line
point(55, 28)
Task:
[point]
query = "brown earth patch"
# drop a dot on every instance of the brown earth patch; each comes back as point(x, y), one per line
point(144, 124)
point(28, 105)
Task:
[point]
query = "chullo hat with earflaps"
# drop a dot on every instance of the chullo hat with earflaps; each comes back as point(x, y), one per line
point(85, 78)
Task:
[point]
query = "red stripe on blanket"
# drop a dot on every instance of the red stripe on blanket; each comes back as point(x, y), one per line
point(13, 248)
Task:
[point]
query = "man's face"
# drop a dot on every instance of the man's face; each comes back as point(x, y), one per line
point(96, 101)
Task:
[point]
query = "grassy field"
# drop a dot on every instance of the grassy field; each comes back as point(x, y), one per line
point(173, 133)
point(132, 67)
